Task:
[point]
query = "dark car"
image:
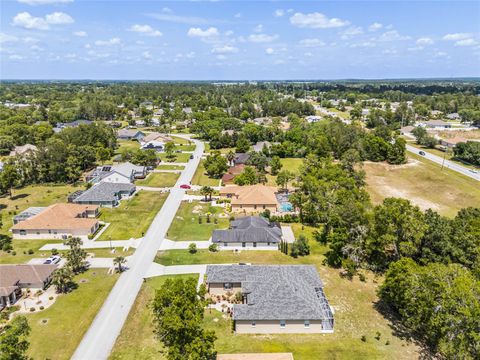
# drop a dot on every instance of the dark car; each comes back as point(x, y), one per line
point(422, 153)
point(191, 156)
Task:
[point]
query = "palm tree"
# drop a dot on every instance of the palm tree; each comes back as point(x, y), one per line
point(119, 261)
point(207, 191)
point(62, 279)
point(230, 157)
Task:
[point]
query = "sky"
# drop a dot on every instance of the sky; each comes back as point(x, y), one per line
point(238, 40)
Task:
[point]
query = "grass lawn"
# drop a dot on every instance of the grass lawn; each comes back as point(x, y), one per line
point(159, 180)
point(186, 147)
point(127, 144)
point(448, 156)
point(69, 318)
point(201, 178)
point(170, 167)
point(291, 164)
point(33, 195)
point(424, 183)
point(180, 157)
point(21, 248)
point(185, 226)
point(354, 303)
point(133, 217)
point(136, 341)
point(179, 140)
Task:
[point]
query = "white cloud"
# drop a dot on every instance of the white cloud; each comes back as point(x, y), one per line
point(375, 26)
point(189, 20)
point(279, 13)
point(59, 18)
point(225, 49)
point(390, 52)
point(392, 35)
point(415, 48)
point(27, 21)
point(363, 44)
point(110, 42)
point(198, 32)
point(440, 54)
point(258, 28)
point(262, 38)
point(146, 55)
point(7, 38)
point(269, 51)
point(15, 57)
point(36, 48)
point(167, 10)
point(145, 30)
point(237, 15)
point(229, 33)
point(424, 41)
point(308, 54)
point(44, 2)
point(351, 31)
point(316, 20)
point(80, 33)
point(457, 36)
point(190, 55)
point(221, 57)
point(466, 42)
point(312, 42)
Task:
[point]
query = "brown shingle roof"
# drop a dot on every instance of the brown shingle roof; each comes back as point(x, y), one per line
point(59, 216)
point(24, 273)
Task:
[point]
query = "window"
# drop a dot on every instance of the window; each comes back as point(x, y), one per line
point(254, 244)
point(225, 244)
point(227, 286)
point(23, 232)
point(253, 324)
point(282, 323)
point(255, 207)
point(306, 324)
point(243, 244)
point(263, 206)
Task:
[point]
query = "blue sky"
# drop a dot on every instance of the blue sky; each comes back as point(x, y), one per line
point(205, 40)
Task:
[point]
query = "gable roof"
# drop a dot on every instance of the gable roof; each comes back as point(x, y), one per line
point(129, 133)
point(156, 136)
point(104, 192)
point(275, 292)
point(59, 216)
point(23, 273)
point(241, 158)
point(249, 229)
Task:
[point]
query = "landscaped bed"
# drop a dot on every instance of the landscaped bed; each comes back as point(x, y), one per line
point(159, 180)
point(186, 226)
point(133, 217)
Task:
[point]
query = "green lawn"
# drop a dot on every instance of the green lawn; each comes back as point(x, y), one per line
point(127, 144)
point(21, 247)
point(424, 183)
point(33, 195)
point(70, 317)
point(201, 178)
point(159, 180)
point(185, 226)
point(291, 164)
point(186, 147)
point(170, 167)
point(353, 301)
point(133, 217)
point(136, 341)
point(180, 157)
point(179, 140)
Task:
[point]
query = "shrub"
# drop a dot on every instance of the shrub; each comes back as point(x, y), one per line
point(213, 248)
point(192, 248)
point(50, 298)
point(363, 338)
point(387, 342)
point(32, 309)
point(41, 307)
point(14, 253)
point(54, 252)
point(30, 252)
point(362, 277)
point(378, 335)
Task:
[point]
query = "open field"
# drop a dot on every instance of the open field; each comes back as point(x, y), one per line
point(133, 217)
point(69, 318)
point(448, 134)
point(180, 157)
point(185, 225)
point(33, 195)
point(424, 183)
point(159, 180)
point(136, 341)
point(354, 303)
point(201, 178)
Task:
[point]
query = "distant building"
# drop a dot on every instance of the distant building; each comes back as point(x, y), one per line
point(130, 134)
point(118, 173)
point(437, 124)
point(105, 194)
point(23, 150)
point(258, 147)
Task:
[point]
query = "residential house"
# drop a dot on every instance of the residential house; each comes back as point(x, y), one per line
point(156, 145)
point(313, 118)
point(130, 134)
point(58, 221)
point(104, 194)
point(452, 142)
point(118, 173)
point(74, 124)
point(23, 150)
point(437, 124)
point(284, 299)
point(17, 277)
point(232, 171)
point(253, 198)
point(155, 136)
point(258, 147)
point(453, 116)
point(249, 231)
point(241, 158)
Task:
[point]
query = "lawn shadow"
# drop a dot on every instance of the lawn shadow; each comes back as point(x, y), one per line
point(19, 196)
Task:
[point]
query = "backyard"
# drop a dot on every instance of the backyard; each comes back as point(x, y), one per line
point(133, 217)
point(179, 157)
point(159, 180)
point(57, 331)
point(185, 225)
point(201, 178)
point(423, 183)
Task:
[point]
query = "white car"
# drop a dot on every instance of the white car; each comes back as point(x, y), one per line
point(54, 259)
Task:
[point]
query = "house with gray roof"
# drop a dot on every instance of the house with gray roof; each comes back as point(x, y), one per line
point(275, 298)
point(105, 194)
point(130, 134)
point(249, 232)
point(118, 173)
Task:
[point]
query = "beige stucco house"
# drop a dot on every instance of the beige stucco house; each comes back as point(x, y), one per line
point(251, 199)
point(283, 299)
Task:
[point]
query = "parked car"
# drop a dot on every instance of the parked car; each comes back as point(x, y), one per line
point(185, 186)
point(422, 153)
point(191, 157)
point(473, 171)
point(55, 259)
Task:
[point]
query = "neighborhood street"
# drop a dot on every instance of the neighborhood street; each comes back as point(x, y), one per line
point(100, 337)
point(448, 164)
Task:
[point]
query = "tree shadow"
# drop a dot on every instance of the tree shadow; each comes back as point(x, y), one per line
point(401, 331)
point(19, 196)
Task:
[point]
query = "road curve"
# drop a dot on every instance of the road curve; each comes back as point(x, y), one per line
point(100, 338)
point(448, 164)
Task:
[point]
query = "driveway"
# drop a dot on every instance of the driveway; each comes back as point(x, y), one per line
point(100, 337)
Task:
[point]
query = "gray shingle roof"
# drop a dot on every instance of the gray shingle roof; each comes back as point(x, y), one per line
point(275, 292)
point(249, 229)
point(104, 192)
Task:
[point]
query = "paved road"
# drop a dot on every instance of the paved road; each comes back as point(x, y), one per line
point(100, 337)
point(448, 164)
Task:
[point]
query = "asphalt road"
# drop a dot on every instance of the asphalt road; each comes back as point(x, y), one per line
point(100, 337)
point(448, 164)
